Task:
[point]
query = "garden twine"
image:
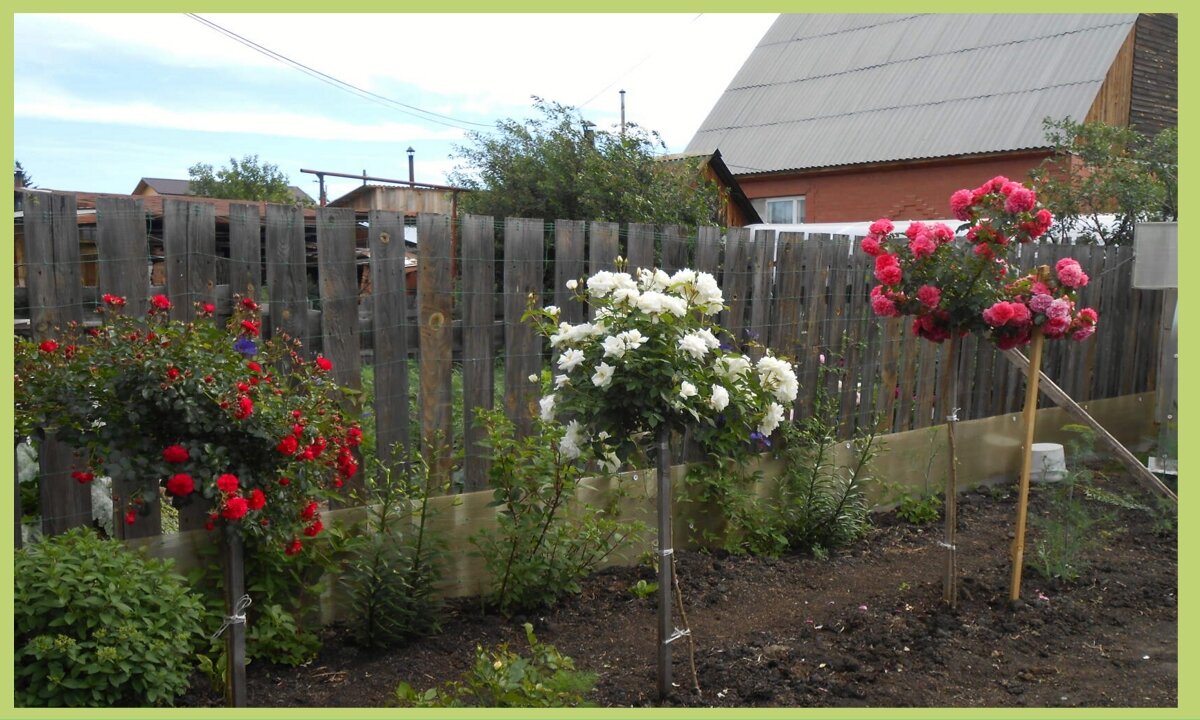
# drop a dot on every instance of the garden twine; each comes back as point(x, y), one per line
point(237, 618)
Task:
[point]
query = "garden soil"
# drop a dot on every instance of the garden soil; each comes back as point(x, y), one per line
point(865, 628)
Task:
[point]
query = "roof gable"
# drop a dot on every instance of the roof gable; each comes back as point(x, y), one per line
point(830, 90)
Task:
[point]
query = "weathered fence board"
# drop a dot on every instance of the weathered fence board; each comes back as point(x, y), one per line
point(522, 345)
point(190, 246)
point(479, 312)
point(708, 250)
point(245, 250)
point(785, 317)
point(603, 246)
point(736, 283)
point(338, 274)
point(52, 263)
point(436, 311)
point(761, 266)
point(287, 276)
point(569, 238)
point(389, 297)
point(639, 245)
point(121, 242)
point(674, 249)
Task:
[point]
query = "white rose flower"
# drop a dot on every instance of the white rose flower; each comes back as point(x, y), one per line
point(732, 367)
point(708, 294)
point(777, 376)
point(601, 284)
point(625, 296)
point(547, 405)
point(602, 378)
point(720, 398)
point(652, 302)
point(677, 306)
point(610, 463)
point(570, 359)
point(569, 445)
point(694, 345)
point(533, 378)
point(687, 390)
point(614, 346)
point(771, 419)
point(561, 381)
point(551, 309)
point(572, 284)
point(709, 339)
point(633, 339)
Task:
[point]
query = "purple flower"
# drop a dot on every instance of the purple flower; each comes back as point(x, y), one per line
point(761, 439)
point(245, 346)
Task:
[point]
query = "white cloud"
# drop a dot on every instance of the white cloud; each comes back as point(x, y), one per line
point(56, 106)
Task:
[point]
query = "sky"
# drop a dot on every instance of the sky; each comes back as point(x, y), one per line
point(102, 100)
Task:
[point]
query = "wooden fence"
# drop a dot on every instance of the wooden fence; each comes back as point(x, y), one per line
point(806, 297)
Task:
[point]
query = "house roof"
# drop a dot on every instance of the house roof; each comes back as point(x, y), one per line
point(168, 186)
point(717, 164)
point(833, 90)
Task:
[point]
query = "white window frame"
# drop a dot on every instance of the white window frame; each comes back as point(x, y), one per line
point(797, 204)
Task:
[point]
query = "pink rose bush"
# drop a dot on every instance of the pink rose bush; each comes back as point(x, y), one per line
point(954, 288)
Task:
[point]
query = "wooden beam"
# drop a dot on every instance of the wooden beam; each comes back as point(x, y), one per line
point(1060, 398)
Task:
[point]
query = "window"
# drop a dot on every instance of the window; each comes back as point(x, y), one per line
point(784, 210)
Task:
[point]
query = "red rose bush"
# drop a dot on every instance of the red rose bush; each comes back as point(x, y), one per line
point(213, 414)
point(953, 285)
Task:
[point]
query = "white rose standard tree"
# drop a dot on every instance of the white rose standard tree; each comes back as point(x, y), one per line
point(650, 364)
point(953, 284)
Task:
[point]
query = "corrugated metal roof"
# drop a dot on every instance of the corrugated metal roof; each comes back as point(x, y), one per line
point(828, 90)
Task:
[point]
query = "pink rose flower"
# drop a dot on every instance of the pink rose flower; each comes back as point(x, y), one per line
point(960, 204)
point(1040, 302)
point(1089, 316)
point(1060, 309)
point(1083, 333)
point(922, 245)
point(1020, 200)
point(884, 307)
point(998, 314)
point(929, 296)
point(889, 275)
point(882, 226)
point(1070, 273)
point(1056, 327)
point(1020, 314)
point(942, 233)
point(871, 245)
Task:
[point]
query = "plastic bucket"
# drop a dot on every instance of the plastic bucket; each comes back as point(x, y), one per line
point(1049, 463)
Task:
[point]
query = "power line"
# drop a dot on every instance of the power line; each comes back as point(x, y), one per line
point(633, 67)
point(427, 115)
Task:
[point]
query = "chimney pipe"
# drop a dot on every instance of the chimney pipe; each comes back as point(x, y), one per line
point(412, 176)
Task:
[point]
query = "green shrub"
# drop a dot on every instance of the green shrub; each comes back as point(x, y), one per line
point(920, 509)
point(99, 626)
point(546, 540)
point(395, 561)
point(505, 679)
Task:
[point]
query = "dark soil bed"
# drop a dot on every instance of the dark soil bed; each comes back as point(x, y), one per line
point(866, 628)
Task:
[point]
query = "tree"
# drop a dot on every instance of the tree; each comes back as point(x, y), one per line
point(559, 166)
point(1100, 169)
point(21, 178)
point(245, 180)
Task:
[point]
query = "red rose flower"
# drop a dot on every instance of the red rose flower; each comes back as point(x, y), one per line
point(172, 373)
point(208, 308)
point(175, 454)
point(160, 302)
point(181, 484)
point(257, 499)
point(323, 363)
point(253, 366)
point(131, 517)
point(114, 300)
point(48, 346)
point(235, 508)
point(313, 529)
point(83, 476)
point(309, 511)
point(249, 304)
point(354, 437)
point(245, 408)
point(287, 446)
point(292, 548)
point(250, 327)
point(227, 483)
point(285, 481)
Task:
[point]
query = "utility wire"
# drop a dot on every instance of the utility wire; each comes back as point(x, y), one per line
point(631, 68)
point(427, 115)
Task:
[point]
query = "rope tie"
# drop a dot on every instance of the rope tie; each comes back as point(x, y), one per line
point(237, 618)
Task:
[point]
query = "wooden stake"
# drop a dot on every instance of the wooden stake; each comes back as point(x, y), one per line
point(1030, 416)
point(665, 564)
point(233, 566)
point(949, 394)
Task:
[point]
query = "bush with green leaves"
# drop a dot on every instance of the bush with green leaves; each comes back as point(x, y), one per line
point(503, 678)
point(96, 625)
point(546, 540)
point(395, 560)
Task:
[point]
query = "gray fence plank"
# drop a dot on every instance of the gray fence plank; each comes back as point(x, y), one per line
point(287, 276)
point(190, 246)
point(522, 345)
point(389, 298)
point(479, 360)
point(674, 249)
point(640, 247)
point(761, 265)
point(435, 308)
point(603, 246)
point(708, 250)
point(736, 284)
point(123, 251)
point(245, 250)
point(569, 239)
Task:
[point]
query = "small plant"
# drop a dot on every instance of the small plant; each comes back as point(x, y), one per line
point(395, 561)
point(96, 625)
point(503, 678)
point(642, 589)
point(920, 509)
point(545, 540)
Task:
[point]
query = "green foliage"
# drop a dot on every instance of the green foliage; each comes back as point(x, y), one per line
point(819, 504)
point(558, 166)
point(546, 539)
point(642, 589)
point(247, 179)
point(394, 560)
point(1099, 169)
point(96, 625)
point(19, 173)
point(502, 678)
point(920, 509)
